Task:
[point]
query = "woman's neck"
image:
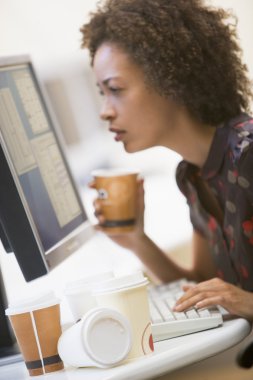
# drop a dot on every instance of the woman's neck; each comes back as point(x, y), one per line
point(196, 147)
point(192, 140)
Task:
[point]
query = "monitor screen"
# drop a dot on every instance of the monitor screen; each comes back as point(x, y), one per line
point(42, 217)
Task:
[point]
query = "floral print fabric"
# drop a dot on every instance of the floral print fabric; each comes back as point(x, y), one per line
point(228, 178)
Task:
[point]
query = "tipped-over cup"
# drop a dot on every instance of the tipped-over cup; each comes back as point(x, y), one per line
point(102, 338)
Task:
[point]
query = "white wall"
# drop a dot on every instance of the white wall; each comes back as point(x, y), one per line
point(49, 31)
point(243, 9)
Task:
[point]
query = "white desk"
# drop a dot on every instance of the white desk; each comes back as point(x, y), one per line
point(169, 355)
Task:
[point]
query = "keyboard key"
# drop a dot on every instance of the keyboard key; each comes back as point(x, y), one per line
point(192, 313)
point(170, 302)
point(164, 310)
point(178, 295)
point(179, 315)
point(204, 313)
point(155, 315)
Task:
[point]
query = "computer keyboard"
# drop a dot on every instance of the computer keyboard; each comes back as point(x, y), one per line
point(167, 323)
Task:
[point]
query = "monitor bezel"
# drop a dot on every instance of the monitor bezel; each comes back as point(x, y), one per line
point(29, 249)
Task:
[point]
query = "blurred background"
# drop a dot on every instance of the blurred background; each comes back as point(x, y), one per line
point(48, 30)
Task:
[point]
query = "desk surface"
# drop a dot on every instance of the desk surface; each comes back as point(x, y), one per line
point(169, 355)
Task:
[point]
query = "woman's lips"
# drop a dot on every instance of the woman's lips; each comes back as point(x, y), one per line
point(119, 134)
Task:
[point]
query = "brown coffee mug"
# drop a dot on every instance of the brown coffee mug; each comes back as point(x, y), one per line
point(117, 192)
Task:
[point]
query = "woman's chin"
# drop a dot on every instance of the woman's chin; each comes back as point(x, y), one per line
point(131, 149)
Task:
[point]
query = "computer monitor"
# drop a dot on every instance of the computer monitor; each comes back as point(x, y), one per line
point(42, 219)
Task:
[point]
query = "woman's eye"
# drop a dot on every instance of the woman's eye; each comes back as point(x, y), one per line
point(114, 89)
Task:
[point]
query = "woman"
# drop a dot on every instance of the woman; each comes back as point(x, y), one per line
point(171, 75)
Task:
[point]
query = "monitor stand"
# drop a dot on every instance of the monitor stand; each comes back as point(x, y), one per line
point(9, 352)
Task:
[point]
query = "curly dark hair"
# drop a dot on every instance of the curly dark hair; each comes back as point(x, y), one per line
point(187, 50)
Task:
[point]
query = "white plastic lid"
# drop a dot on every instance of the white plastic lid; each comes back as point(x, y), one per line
point(114, 172)
point(121, 283)
point(37, 302)
point(85, 283)
point(108, 337)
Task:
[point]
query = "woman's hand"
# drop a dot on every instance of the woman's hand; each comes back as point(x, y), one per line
point(217, 292)
point(125, 239)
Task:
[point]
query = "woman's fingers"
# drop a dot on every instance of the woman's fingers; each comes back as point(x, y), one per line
point(92, 185)
point(214, 300)
point(202, 294)
point(97, 207)
point(214, 284)
point(217, 292)
point(192, 301)
point(98, 211)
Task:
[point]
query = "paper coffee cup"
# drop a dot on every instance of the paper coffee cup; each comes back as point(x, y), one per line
point(36, 324)
point(117, 191)
point(128, 295)
point(102, 338)
point(79, 293)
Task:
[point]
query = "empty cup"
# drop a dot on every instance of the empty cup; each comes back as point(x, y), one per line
point(102, 338)
point(36, 323)
point(79, 293)
point(128, 295)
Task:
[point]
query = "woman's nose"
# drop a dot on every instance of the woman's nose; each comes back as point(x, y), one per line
point(107, 111)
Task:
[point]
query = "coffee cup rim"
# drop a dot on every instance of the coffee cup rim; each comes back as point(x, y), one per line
point(26, 308)
point(91, 318)
point(85, 284)
point(121, 283)
point(114, 172)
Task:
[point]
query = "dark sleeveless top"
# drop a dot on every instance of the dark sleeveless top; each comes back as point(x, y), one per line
point(220, 198)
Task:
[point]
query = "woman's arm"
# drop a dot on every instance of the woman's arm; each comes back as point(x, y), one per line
point(157, 263)
point(209, 291)
point(165, 269)
point(216, 291)
point(203, 267)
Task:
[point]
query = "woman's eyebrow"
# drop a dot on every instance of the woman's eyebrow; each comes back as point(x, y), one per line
point(105, 81)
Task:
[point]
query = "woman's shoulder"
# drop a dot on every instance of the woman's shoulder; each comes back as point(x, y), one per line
point(243, 152)
point(240, 136)
point(185, 172)
point(243, 121)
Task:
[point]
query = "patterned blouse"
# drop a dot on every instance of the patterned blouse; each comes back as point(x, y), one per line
point(220, 198)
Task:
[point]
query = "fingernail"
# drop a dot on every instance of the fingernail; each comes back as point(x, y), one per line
point(101, 219)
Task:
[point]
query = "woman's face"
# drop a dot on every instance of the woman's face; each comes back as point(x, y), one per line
point(139, 116)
